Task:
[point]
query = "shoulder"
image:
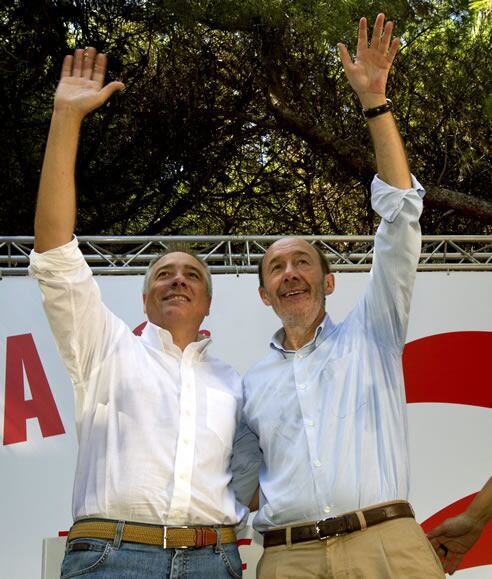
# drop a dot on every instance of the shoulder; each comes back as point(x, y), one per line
point(258, 369)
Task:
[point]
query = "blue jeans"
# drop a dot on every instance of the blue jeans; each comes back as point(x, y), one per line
point(105, 560)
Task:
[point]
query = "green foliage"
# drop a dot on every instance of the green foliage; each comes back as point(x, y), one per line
point(193, 145)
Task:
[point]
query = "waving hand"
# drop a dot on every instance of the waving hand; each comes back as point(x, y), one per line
point(81, 83)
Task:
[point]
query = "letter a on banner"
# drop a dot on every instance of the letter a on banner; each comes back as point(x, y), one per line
point(21, 357)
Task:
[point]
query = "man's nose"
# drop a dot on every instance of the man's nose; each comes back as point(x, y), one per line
point(179, 280)
point(290, 272)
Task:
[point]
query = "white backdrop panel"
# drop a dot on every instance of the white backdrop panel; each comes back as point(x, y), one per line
point(449, 444)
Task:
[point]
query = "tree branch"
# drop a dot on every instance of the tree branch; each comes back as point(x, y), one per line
point(466, 205)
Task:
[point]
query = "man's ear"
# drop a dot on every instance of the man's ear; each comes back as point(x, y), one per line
point(144, 298)
point(209, 304)
point(264, 296)
point(329, 284)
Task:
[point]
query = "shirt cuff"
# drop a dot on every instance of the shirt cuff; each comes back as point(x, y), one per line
point(62, 258)
point(387, 201)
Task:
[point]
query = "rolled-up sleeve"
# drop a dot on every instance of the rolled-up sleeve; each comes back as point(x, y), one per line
point(386, 304)
point(84, 329)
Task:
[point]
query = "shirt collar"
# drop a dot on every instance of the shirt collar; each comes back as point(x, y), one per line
point(162, 339)
point(322, 332)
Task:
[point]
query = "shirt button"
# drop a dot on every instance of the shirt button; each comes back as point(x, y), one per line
point(302, 386)
point(299, 355)
point(327, 509)
point(317, 463)
point(184, 476)
point(177, 513)
point(187, 441)
point(310, 422)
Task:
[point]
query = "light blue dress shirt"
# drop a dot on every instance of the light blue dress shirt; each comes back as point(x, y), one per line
point(330, 418)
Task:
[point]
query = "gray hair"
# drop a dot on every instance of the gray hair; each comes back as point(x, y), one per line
point(203, 263)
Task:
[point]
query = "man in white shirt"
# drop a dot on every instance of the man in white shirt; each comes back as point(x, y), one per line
point(155, 414)
point(327, 404)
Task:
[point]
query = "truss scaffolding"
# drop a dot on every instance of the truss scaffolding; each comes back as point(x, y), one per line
point(130, 255)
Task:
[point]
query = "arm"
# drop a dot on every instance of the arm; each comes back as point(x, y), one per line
point(395, 196)
point(245, 466)
point(368, 76)
point(79, 91)
point(458, 534)
point(82, 326)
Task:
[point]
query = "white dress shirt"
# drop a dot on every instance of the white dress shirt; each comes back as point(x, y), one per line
point(331, 417)
point(155, 424)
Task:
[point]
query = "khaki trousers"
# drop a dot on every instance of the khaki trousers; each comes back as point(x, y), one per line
point(391, 550)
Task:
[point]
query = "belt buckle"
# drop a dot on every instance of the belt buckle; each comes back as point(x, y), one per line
point(321, 536)
point(164, 536)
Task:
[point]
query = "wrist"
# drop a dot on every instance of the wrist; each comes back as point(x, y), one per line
point(370, 100)
point(479, 517)
point(373, 112)
point(67, 114)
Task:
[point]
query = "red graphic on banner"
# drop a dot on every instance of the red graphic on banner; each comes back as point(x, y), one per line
point(241, 542)
point(139, 329)
point(481, 552)
point(449, 368)
point(22, 357)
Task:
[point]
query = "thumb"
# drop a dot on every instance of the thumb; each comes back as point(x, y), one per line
point(106, 92)
point(434, 532)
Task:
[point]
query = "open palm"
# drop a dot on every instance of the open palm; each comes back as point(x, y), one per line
point(369, 73)
point(81, 83)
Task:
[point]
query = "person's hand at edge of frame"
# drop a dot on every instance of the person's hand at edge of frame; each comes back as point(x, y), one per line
point(453, 538)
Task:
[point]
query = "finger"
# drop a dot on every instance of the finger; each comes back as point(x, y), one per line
point(78, 58)
point(442, 550)
point(362, 38)
point(451, 561)
point(455, 564)
point(393, 49)
point(100, 68)
point(377, 30)
point(88, 64)
point(386, 38)
point(109, 89)
point(434, 542)
point(67, 66)
point(344, 56)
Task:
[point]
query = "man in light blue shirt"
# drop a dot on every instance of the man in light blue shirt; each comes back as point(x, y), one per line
point(327, 404)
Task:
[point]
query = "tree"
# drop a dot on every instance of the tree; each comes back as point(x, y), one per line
point(237, 118)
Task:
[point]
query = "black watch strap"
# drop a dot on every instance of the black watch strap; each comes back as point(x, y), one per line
point(376, 111)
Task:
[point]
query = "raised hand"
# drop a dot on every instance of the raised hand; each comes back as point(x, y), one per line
point(81, 89)
point(368, 74)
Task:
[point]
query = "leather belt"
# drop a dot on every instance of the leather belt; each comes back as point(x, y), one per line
point(166, 537)
point(335, 526)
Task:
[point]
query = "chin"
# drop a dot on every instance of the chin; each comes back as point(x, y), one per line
point(299, 316)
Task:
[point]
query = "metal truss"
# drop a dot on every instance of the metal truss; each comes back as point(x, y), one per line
point(240, 254)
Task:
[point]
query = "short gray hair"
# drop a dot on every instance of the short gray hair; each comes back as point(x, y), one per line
point(203, 263)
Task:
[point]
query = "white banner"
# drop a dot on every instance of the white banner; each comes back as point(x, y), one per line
point(447, 368)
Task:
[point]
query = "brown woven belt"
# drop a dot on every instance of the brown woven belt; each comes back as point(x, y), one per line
point(332, 527)
point(166, 537)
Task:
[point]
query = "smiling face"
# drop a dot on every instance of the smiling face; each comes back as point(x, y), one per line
point(177, 294)
point(294, 283)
